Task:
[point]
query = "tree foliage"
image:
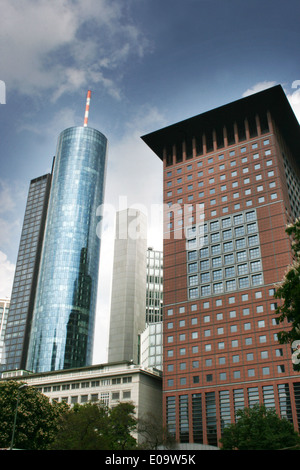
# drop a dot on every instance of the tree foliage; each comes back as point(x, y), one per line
point(37, 418)
point(259, 428)
point(93, 426)
point(288, 291)
point(122, 423)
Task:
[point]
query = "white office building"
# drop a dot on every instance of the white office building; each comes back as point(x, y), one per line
point(4, 309)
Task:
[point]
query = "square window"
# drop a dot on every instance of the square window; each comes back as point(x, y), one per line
point(243, 269)
point(204, 265)
point(240, 243)
point(193, 267)
point(230, 272)
point(205, 277)
point(228, 246)
point(231, 285)
point(194, 293)
point(215, 249)
point(257, 279)
point(217, 274)
point(205, 290)
point(216, 262)
point(193, 280)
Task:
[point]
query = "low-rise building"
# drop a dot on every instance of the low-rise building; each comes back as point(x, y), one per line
point(109, 383)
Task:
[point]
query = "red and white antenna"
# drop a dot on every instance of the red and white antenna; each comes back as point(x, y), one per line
point(87, 108)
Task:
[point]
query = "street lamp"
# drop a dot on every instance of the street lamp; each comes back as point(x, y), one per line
point(15, 419)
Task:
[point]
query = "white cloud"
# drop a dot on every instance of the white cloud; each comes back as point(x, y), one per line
point(294, 99)
point(62, 119)
point(7, 201)
point(63, 45)
point(259, 87)
point(134, 171)
point(12, 203)
point(293, 96)
point(7, 270)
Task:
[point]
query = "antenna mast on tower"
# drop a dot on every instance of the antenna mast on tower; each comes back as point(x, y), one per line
point(87, 108)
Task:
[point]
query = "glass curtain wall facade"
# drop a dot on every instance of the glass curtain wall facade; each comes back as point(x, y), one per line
point(154, 288)
point(63, 317)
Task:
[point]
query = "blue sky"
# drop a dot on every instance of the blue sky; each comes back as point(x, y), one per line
point(149, 63)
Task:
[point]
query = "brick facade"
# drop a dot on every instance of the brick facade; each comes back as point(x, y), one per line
point(227, 200)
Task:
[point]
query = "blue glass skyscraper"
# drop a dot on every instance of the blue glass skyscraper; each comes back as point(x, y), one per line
point(63, 319)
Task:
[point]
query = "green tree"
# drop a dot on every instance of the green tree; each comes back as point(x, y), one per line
point(36, 420)
point(94, 426)
point(288, 291)
point(259, 428)
point(84, 427)
point(122, 423)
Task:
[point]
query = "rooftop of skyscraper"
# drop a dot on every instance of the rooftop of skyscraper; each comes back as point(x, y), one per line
point(272, 99)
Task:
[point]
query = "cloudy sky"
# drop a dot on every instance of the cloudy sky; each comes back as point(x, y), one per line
point(149, 63)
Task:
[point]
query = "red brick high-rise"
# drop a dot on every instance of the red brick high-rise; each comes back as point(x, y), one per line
point(231, 185)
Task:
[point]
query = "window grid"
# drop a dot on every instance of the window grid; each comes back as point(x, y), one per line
point(236, 255)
